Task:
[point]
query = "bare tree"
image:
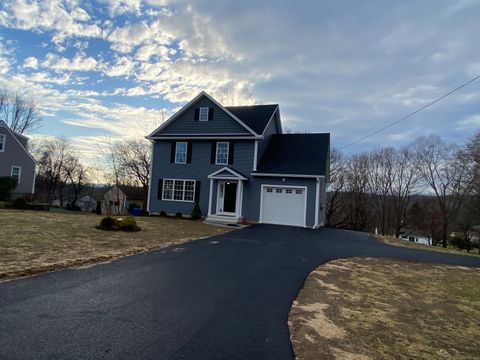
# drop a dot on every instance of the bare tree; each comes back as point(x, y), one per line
point(19, 111)
point(75, 174)
point(336, 186)
point(52, 155)
point(235, 95)
point(472, 151)
point(357, 209)
point(379, 173)
point(404, 181)
point(132, 159)
point(444, 169)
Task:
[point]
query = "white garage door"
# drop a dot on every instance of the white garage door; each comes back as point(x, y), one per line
point(283, 205)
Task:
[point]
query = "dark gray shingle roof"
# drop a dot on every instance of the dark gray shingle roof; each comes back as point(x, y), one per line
point(256, 117)
point(300, 154)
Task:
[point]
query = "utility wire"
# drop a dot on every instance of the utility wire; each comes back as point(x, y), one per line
point(412, 113)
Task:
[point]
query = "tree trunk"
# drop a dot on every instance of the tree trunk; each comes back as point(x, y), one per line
point(444, 233)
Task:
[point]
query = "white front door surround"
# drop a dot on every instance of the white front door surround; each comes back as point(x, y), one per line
point(228, 185)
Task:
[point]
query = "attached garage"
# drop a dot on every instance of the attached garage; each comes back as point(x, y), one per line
point(283, 205)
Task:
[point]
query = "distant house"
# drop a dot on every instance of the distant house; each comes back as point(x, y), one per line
point(87, 204)
point(16, 161)
point(117, 200)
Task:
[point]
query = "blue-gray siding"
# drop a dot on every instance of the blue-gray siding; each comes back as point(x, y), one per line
point(252, 195)
point(200, 168)
point(222, 123)
point(16, 155)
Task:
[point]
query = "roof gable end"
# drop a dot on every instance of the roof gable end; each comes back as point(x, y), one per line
point(183, 123)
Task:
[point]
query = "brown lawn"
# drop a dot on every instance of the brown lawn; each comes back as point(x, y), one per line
point(383, 309)
point(36, 241)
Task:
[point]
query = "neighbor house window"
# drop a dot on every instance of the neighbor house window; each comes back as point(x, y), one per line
point(181, 152)
point(178, 190)
point(222, 153)
point(2, 142)
point(203, 114)
point(16, 173)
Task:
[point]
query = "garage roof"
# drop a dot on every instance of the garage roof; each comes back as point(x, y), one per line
point(296, 154)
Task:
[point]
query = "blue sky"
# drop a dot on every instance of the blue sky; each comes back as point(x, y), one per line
point(111, 69)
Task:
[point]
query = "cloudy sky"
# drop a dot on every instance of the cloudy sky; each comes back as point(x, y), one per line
point(112, 68)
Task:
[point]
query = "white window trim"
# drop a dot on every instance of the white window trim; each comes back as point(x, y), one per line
point(173, 190)
point(216, 152)
point(186, 152)
point(4, 140)
point(200, 113)
point(19, 172)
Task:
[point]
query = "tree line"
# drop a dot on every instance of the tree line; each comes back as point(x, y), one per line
point(59, 167)
point(428, 187)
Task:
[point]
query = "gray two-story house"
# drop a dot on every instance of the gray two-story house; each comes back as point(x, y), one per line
point(16, 161)
point(238, 165)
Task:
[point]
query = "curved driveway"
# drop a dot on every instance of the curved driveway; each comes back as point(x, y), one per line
point(226, 297)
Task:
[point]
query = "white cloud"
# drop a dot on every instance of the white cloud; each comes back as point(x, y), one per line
point(42, 77)
point(31, 62)
point(118, 7)
point(49, 15)
point(80, 62)
point(123, 67)
point(145, 52)
point(469, 122)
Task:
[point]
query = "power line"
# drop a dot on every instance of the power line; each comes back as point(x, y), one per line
point(412, 113)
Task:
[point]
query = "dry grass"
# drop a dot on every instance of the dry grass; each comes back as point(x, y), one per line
point(364, 308)
point(405, 243)
point(35, 241)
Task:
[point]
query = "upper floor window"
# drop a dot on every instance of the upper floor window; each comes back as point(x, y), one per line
point(2, 142)
point(181, 152)
point(16, 173)
point(203, 114)
point(222, 153)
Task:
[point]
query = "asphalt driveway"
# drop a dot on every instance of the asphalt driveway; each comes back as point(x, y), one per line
point(226, 297)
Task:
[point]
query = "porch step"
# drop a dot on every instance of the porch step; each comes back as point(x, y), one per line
point(222, 219)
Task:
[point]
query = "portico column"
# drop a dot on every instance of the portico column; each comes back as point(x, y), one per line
point(210, 198)
point(238, 207)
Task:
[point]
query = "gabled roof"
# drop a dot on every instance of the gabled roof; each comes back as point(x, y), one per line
point(226, 173)
point(188, 105)
point(254, 116)
point(16, 136)
point(296, 154)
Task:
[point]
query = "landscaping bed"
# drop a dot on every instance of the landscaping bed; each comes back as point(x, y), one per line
point(32, 241)
point(364, 308)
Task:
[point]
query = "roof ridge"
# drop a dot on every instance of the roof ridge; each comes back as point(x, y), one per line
point(235, 106)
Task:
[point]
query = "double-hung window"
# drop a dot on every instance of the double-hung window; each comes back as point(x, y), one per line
point(222, 153)
point(178, 190)
point(16, 173)
point(181, 152)
point(203, 114)
point(2, 142)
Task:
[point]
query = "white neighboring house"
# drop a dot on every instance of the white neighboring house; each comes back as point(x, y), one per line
point(16, 161)
point(417, 239)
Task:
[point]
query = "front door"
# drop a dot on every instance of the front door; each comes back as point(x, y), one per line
point(227, 196)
